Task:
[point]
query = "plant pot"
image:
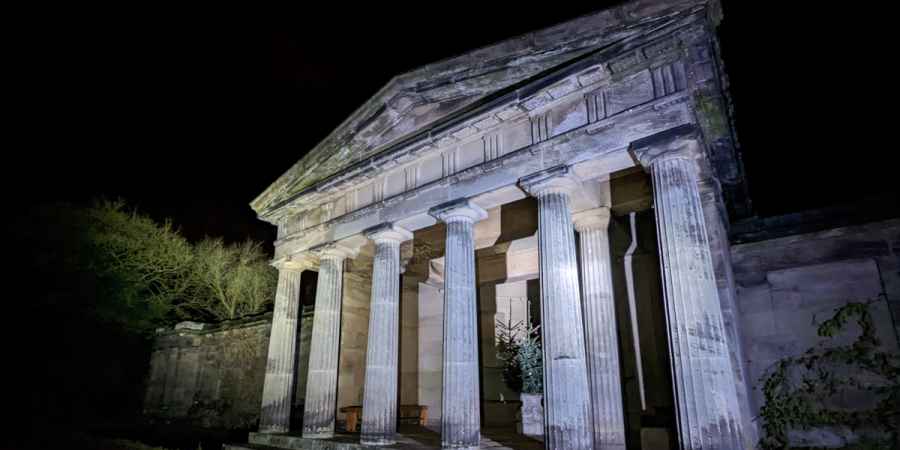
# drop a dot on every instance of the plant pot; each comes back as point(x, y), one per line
point(531, 415)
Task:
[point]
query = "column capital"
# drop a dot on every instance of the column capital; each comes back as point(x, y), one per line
point(679, 142)
point(591, 219)
point(388, 232)
point(296, 263)
point(334, 250)
point(457, 210)
point(559, 179)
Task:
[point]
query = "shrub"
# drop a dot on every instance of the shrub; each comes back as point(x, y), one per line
point(150, 269)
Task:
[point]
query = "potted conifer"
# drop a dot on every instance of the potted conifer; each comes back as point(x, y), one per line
point(519, 349)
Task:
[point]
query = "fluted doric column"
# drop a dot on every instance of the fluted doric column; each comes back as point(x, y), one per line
point(379, 414)
point(600, 329)
point(275, 416)
point(567, 404)
point(705, 384)
point(321, 383)
point(460, 412)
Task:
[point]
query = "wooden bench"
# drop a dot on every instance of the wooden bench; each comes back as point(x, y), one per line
point(418, 413)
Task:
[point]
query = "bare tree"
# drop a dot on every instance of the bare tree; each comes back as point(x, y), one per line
point(233, 280)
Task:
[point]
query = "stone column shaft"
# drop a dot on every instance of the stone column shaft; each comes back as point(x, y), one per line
point(379, 414)
point(460, 415)
point(321, 383)
point(600, 329)
point(275, 416)
point(705, 385)
point(567, 403)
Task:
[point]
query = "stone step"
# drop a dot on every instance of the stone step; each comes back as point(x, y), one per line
point(248, 447)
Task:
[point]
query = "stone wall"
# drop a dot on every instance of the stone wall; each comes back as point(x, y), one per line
point(786, 286)
point(212, 375)
point(357, 291)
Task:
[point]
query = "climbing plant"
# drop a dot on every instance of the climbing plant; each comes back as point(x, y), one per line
point(804, 392)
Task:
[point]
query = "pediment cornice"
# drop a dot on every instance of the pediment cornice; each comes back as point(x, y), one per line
point(416, 110)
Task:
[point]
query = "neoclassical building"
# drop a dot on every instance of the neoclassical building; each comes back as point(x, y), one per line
point(582, 177)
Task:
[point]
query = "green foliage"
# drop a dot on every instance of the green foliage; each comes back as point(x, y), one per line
point(231, 281)
point(144, 267)
point(531, 362)
point(507, 353)
point(519, 349)
point(801, 392)
point(150, 270)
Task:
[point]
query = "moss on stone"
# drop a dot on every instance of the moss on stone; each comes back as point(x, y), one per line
point(710, 114)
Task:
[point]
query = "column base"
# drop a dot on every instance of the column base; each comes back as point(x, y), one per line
point(273, 430)
point(377, 442)
point(322, 435)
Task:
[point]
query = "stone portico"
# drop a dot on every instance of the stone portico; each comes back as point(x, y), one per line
point(466, 187)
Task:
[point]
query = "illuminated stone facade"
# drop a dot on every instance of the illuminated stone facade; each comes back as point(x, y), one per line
point(498, 172)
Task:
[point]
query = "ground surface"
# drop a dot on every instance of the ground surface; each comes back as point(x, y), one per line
point(411, 437)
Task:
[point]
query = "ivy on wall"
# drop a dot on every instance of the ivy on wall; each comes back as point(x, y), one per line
point(809, 391)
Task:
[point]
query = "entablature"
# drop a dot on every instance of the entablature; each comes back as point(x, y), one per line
point(584, 114)
point(610, 83)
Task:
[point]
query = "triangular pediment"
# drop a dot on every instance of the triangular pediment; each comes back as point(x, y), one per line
point(423, 98)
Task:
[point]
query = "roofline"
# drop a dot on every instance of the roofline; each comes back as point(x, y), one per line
point(513, 92)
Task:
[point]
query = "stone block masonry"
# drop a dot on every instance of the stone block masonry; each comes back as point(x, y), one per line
point(214, 377)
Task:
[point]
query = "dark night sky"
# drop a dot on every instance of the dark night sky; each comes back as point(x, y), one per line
point(190, 113)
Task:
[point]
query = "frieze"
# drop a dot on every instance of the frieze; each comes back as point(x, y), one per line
point(537, 101)
point(492, 149)
point(540, 127)
point(615, 98)
point(465, 132)
point(563, 89)
point(592, 76)
point(660, 48)
point(437, 88)
point(510, 113)
point(668, 104)
point(549, 151)
point(625, 63)
point(487, 123)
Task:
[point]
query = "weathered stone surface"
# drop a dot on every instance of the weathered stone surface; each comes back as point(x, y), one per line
point(277, 390)
point(428, 96)
point(531, 420)
point(578, 96)
point(430, 348)
point(321, 388)
point(600, 329)
point(409, 437)
point(210, 378)
point(461, 417)
point(567, 408)
point(188, 325)
point(379, 414)
point(706, 396)
point(786, 286)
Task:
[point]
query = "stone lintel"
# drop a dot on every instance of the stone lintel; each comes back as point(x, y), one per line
point(555, 179)
point(297, 263)
point(461, 209)
point(388, 232)
point(334, 250)
point(591, 219)
point(680, 142)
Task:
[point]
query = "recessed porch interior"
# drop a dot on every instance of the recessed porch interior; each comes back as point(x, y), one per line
point(508, 292)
